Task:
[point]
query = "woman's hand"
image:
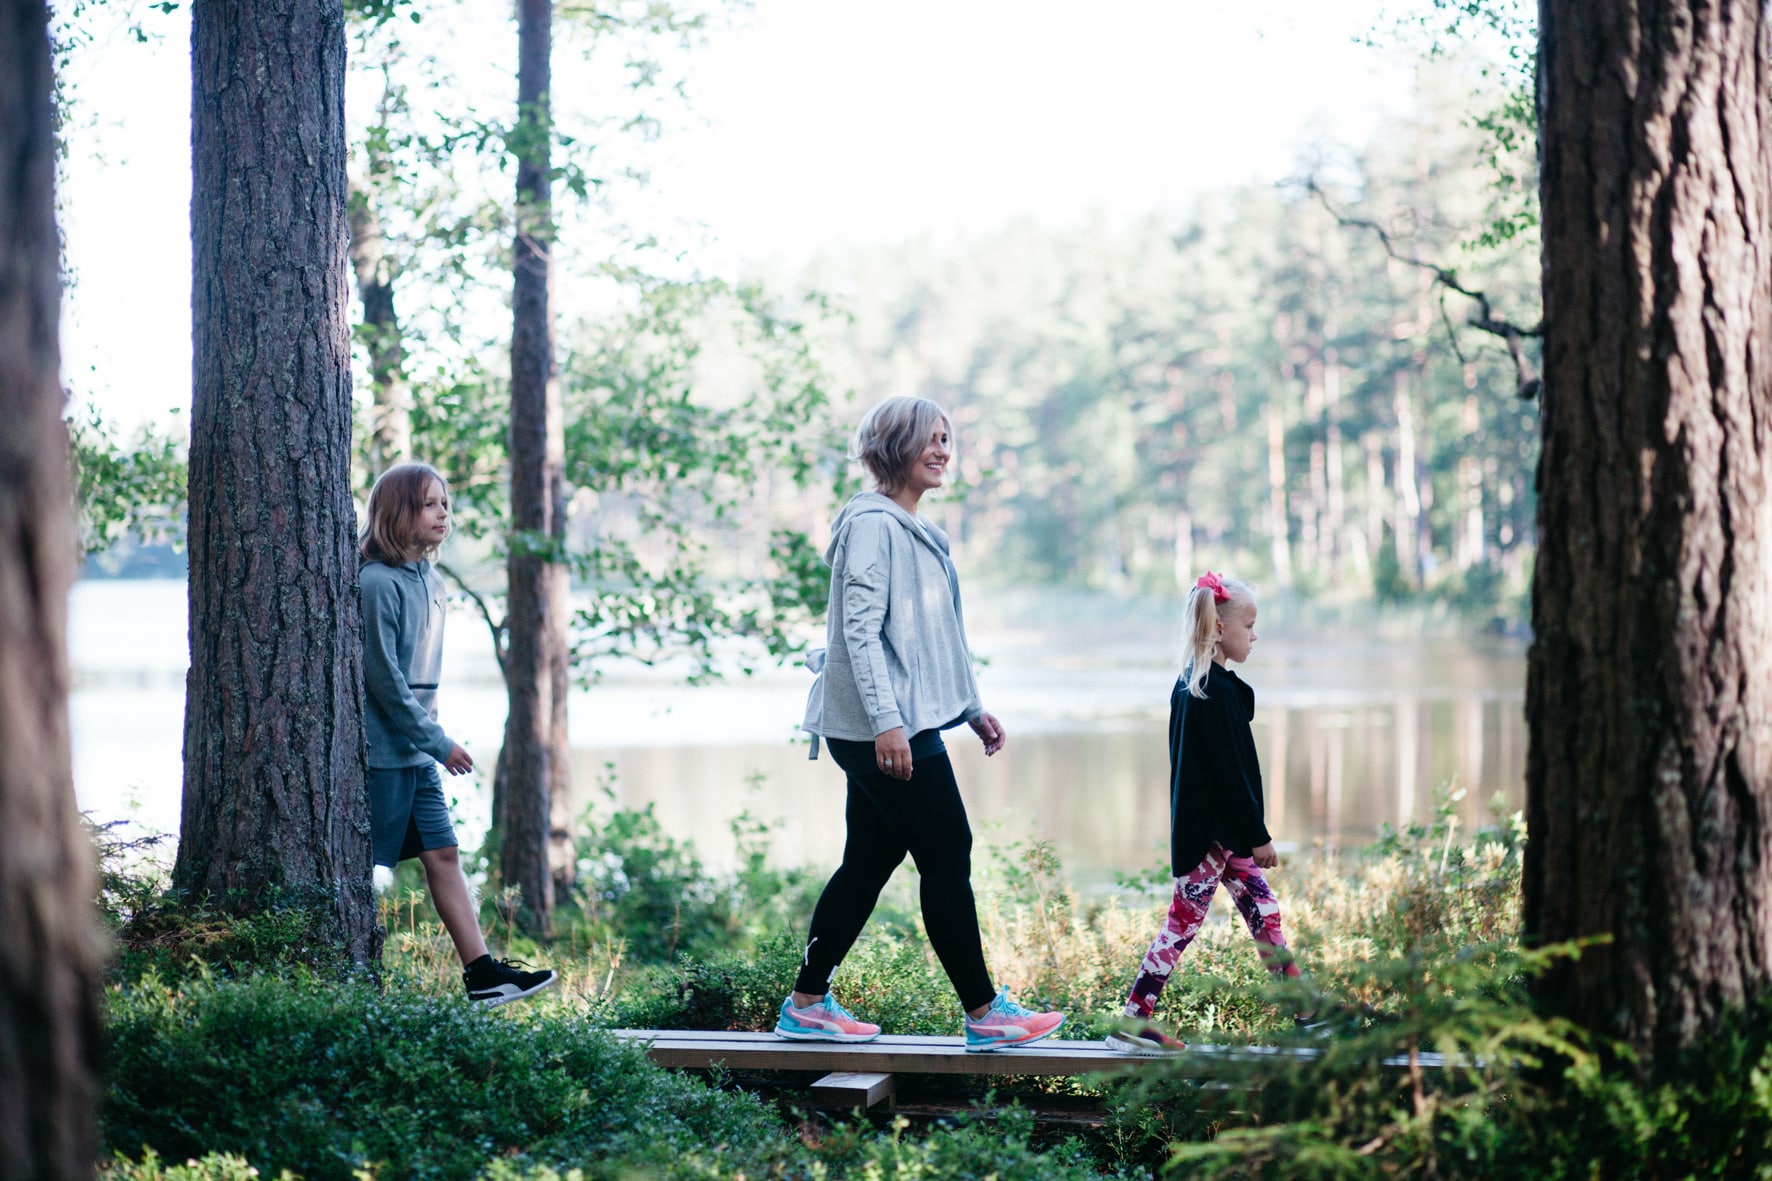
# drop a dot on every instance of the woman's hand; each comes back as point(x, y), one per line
point(1266, 856)
point(892, 753)
point(459, 762)
point(990, 731)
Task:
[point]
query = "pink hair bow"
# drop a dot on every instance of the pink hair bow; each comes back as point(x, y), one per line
point(1213, 583)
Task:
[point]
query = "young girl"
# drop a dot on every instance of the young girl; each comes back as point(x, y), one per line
point(1216, 829)
point(402, 655)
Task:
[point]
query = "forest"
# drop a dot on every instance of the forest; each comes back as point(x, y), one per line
point(1496, 367)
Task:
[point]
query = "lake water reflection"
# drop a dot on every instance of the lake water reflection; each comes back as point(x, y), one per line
point(1365, 732)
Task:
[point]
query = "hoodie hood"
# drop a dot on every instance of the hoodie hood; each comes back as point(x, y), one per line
point(863, 503)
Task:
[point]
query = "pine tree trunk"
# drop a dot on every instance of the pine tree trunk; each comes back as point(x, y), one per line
point(1649, 689)
point(535, 628)
point(274, 806)
point(52, 953)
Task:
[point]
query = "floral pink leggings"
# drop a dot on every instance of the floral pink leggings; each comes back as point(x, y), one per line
point(1193, 898)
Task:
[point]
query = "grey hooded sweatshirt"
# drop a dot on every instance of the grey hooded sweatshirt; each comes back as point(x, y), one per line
point(895, 651)
point(403, 613)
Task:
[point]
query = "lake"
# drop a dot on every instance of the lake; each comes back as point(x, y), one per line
point(1354, 730)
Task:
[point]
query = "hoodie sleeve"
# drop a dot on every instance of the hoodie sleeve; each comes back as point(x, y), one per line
point(385, 680)
point(866, 583)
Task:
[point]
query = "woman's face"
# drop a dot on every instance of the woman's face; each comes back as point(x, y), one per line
point(930, 466)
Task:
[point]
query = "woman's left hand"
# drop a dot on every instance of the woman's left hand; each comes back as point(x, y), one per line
point(990, 731)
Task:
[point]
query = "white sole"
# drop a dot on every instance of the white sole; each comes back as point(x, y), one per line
point(1138, 1050)
point(493, 1002)
point(1026, 1041)
point(850, 1038)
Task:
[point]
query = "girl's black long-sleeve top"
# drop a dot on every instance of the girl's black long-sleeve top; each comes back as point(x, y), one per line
point(1214, 776)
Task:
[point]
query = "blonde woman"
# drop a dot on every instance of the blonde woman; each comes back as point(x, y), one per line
point(896, 672)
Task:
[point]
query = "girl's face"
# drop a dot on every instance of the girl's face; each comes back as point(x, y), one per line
point(931, 465)
point(433, 519)
point(1236, 632)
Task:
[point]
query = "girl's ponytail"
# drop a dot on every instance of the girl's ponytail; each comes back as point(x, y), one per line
point(1210, 595)
point(1199, 631)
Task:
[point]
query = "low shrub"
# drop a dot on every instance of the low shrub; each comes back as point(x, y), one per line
point(322, 1079)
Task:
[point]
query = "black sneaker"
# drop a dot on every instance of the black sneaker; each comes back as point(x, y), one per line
point(493, 982)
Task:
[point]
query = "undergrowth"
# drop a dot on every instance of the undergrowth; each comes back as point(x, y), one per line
point(233, 1049)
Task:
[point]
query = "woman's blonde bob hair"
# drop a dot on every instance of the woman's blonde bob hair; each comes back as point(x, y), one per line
point(1199, 627)
point(391, 533)
point(892, 435)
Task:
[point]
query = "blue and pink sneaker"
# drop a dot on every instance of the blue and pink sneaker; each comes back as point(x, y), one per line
point(827, 1021)
point(1008, 1024)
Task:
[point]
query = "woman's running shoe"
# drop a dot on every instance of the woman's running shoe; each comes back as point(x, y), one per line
point(1008, 1024)
point(1146, 1041)
point(827, 1021)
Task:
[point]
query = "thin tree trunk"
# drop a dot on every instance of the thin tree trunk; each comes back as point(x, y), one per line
point(1408, 522)
point(52, 953)
point(534, 626)
point(1470, 547)
point(274, 805)
point(1649, 688)
point(390, 431)
point(1279, 520)
point(562, 806)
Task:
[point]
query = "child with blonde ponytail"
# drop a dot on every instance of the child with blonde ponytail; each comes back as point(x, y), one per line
point(1216, 828)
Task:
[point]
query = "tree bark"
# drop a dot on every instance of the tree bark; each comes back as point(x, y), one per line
point(1649, 691)
point(52, 953)
point(274, 807)
point(535, 628)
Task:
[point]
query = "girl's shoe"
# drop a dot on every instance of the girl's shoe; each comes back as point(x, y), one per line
point(1008, 1024)
point(827, 1021)
point(1146, 1041)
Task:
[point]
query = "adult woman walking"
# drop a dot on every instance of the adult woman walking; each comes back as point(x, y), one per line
point(895, 673)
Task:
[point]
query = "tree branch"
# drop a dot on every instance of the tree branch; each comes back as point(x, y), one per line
point(498, 630)
point(1482, 317)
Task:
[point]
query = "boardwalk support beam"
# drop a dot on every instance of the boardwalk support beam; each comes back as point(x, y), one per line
point(848, 1088)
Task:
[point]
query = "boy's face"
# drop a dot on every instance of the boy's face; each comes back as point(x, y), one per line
point(433, 519)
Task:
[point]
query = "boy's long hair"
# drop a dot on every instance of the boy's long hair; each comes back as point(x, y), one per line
point(1199, 628)
point(390, 534)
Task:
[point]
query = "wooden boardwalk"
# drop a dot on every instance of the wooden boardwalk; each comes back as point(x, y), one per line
point(861, 1075)
point(903, 1054)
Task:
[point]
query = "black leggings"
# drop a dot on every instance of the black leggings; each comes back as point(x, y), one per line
point(888, 818)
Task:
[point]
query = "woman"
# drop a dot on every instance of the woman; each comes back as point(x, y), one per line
point(895, 673)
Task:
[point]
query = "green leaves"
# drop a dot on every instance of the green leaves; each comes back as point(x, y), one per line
point(134, 489)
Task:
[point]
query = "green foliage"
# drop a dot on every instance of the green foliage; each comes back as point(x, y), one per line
point(325, 1080)
point(162, 933)
point(695, 421)
point(132, 489)
point(212, 1166)
point(637, 884)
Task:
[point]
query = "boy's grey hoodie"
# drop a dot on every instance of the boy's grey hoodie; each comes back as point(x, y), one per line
point(895, 651)
point(403, 611)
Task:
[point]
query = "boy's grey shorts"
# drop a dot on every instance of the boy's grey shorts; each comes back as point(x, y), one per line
point(407, 813)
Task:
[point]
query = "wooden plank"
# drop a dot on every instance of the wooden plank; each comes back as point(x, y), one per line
point(906, 1054)
point(916, 1054)
point(848, 1088)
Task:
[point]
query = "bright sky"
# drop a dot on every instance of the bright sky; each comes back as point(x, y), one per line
point(823, 122)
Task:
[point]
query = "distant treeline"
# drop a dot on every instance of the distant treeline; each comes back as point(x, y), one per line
point(1265, 384)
